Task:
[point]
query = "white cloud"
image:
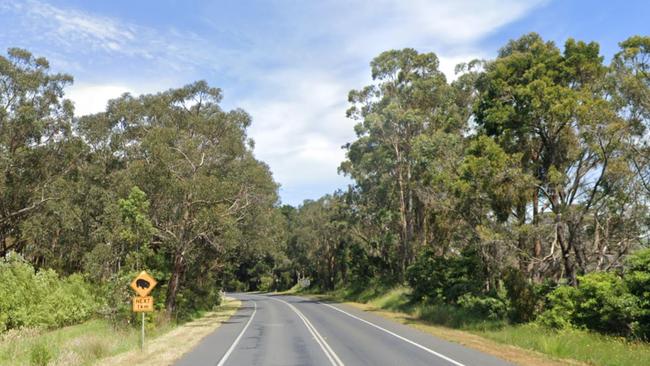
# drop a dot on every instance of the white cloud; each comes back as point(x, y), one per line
point(299, 122)
point(90, 99)
point(79, 32)
point(293, 80)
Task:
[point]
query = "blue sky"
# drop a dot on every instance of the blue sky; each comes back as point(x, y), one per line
point(289, 63)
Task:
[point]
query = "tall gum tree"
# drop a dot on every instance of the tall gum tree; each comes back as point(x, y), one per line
point(195, 163)
point(35, 141)
point(554, 109)
point(410, 97)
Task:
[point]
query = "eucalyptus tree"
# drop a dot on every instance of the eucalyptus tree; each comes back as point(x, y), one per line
point(410, 98)
point(553, 108)
point(194, 161)
point(36, 146)
point(631, 83)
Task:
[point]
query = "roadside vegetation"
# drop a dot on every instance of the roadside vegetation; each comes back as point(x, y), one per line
point(99, 339)
point(549, 346)
point(512, 197)
point(165, 183)
point(511, 202)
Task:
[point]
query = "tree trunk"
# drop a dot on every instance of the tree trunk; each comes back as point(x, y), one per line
point(521, 240)
point(537, 246)
point(174, 284)
point(566, 252)
point(403, 219)
point(565, 246)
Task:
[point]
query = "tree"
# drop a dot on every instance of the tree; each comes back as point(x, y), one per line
point(553, 108)
point(36, 146)
point(194, 162)
point(411, 97)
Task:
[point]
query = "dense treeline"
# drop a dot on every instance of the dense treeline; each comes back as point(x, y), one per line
point(165, 182)
point(518, 189)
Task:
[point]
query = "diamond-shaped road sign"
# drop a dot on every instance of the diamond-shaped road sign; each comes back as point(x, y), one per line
point(143, 284)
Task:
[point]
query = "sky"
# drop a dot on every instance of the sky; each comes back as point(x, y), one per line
point(289, 63)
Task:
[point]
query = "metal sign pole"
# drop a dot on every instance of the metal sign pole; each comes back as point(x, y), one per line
point(142, 335)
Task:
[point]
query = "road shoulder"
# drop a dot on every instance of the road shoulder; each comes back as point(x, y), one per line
point(171, 346)
point(505, 352)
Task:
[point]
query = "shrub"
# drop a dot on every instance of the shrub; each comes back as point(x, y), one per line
point(484, 307)
point(605, 304)
point(266, 283)
point(601, 302)
point(437, 278)
point(41, 299)
point(560, 308)
point(637, 279)
point(40, 354)
point(524, 297)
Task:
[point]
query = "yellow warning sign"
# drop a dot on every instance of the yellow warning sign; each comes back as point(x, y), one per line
point(143, 284)
point(142, 304)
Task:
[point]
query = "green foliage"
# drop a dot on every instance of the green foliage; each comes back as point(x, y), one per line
point(637, 279)
point(561, 308)
point(604, 304)
point(437, 278)
point(41, 354)
point(30, 298)
point(266, 283)
point(524, 298)
point(601, 302)
point(484, 307)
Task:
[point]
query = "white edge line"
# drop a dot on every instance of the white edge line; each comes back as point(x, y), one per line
point(234, 344)
point(396, 335)
point(331, 355)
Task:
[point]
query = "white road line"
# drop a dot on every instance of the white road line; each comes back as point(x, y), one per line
point(331, 355)
point(234, 344)
point(396, 335)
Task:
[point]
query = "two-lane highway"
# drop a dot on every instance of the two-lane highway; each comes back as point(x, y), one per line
point(291, 330)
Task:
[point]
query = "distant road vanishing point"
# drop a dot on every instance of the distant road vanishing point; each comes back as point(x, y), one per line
point(291, 330)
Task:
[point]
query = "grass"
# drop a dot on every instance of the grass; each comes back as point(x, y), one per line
point(82, 344)
point(527, 344)
point(170, 346)
point(589, 347)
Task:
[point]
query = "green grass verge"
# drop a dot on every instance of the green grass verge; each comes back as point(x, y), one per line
point(581, 345)
point(81, 344)
point(575, 344)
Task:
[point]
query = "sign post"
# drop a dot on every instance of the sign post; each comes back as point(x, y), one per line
point(142, 284)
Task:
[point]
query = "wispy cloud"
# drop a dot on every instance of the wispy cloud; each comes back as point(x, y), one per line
point(82, 33)
point(291, 67)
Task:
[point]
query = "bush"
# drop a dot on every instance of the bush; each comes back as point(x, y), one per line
point(266, 283)
point(525, 298)
point(437, 278)
point(116, 299)
point(40, 354)
point(484, 307)
point(601, 302)
point(637, 279)
point(605, 304)
point(560, 308)
point(41, 299)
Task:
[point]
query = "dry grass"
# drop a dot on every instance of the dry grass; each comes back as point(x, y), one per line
point(169, 347)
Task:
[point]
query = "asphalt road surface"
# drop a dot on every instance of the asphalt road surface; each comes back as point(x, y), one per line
point(291, 330)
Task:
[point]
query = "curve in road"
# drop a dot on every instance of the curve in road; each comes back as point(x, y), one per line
point(291, 330)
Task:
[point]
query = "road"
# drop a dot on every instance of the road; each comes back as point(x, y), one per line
point(290, 330)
